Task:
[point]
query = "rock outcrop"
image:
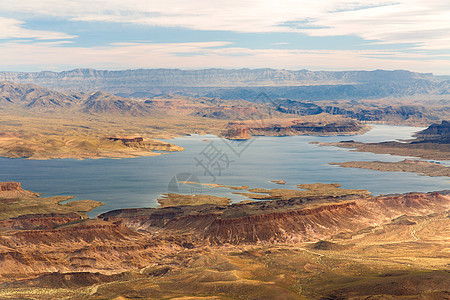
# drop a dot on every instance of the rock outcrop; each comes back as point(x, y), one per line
point(388, 114)
point(285, 127)
point(126, 140)
point(12, 189)
point(236, 131)
point(25, 209)
point(104, 103)
point(435, 133)
point(436, 130)
point(10, 186)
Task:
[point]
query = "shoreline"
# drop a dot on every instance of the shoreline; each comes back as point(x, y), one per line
point(433, 152)
point(420, 167)
point(131, 153)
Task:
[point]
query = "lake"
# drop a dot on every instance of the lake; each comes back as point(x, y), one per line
point(138, 182)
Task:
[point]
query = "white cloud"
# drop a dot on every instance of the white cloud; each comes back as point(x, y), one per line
point(421, 22)
point(12, 28)
point(208, 55)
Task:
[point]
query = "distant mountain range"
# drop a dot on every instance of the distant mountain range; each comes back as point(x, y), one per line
point(33, 98)
point(241, 83)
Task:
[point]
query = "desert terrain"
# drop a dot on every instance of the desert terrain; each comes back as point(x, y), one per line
point(320, 243)
point(224, 150)
point(38, 123)
point(307, 241)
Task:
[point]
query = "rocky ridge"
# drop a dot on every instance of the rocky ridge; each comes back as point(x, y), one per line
point(277, 221)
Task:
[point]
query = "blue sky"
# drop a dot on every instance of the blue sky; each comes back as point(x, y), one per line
point(321, 35)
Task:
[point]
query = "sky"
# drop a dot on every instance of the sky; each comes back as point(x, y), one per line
point(331, 35)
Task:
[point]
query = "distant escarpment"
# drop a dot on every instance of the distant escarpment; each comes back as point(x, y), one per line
point(241, 83)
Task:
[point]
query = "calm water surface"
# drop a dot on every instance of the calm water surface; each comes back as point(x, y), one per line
point(138, 182)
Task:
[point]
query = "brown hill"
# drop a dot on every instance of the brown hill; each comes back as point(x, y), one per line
point(33, 97)
point(36, 98)
point(104, 103)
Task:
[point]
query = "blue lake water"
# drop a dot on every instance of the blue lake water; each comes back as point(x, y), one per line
point(138, 182)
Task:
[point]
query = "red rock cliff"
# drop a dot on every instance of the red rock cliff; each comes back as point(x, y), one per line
point(211, 224)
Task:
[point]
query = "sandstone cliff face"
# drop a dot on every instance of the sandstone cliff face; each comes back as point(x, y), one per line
point(436, 130)
point(349, 127)
point(89, 246)
point(12, 189)
point(10, 186)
